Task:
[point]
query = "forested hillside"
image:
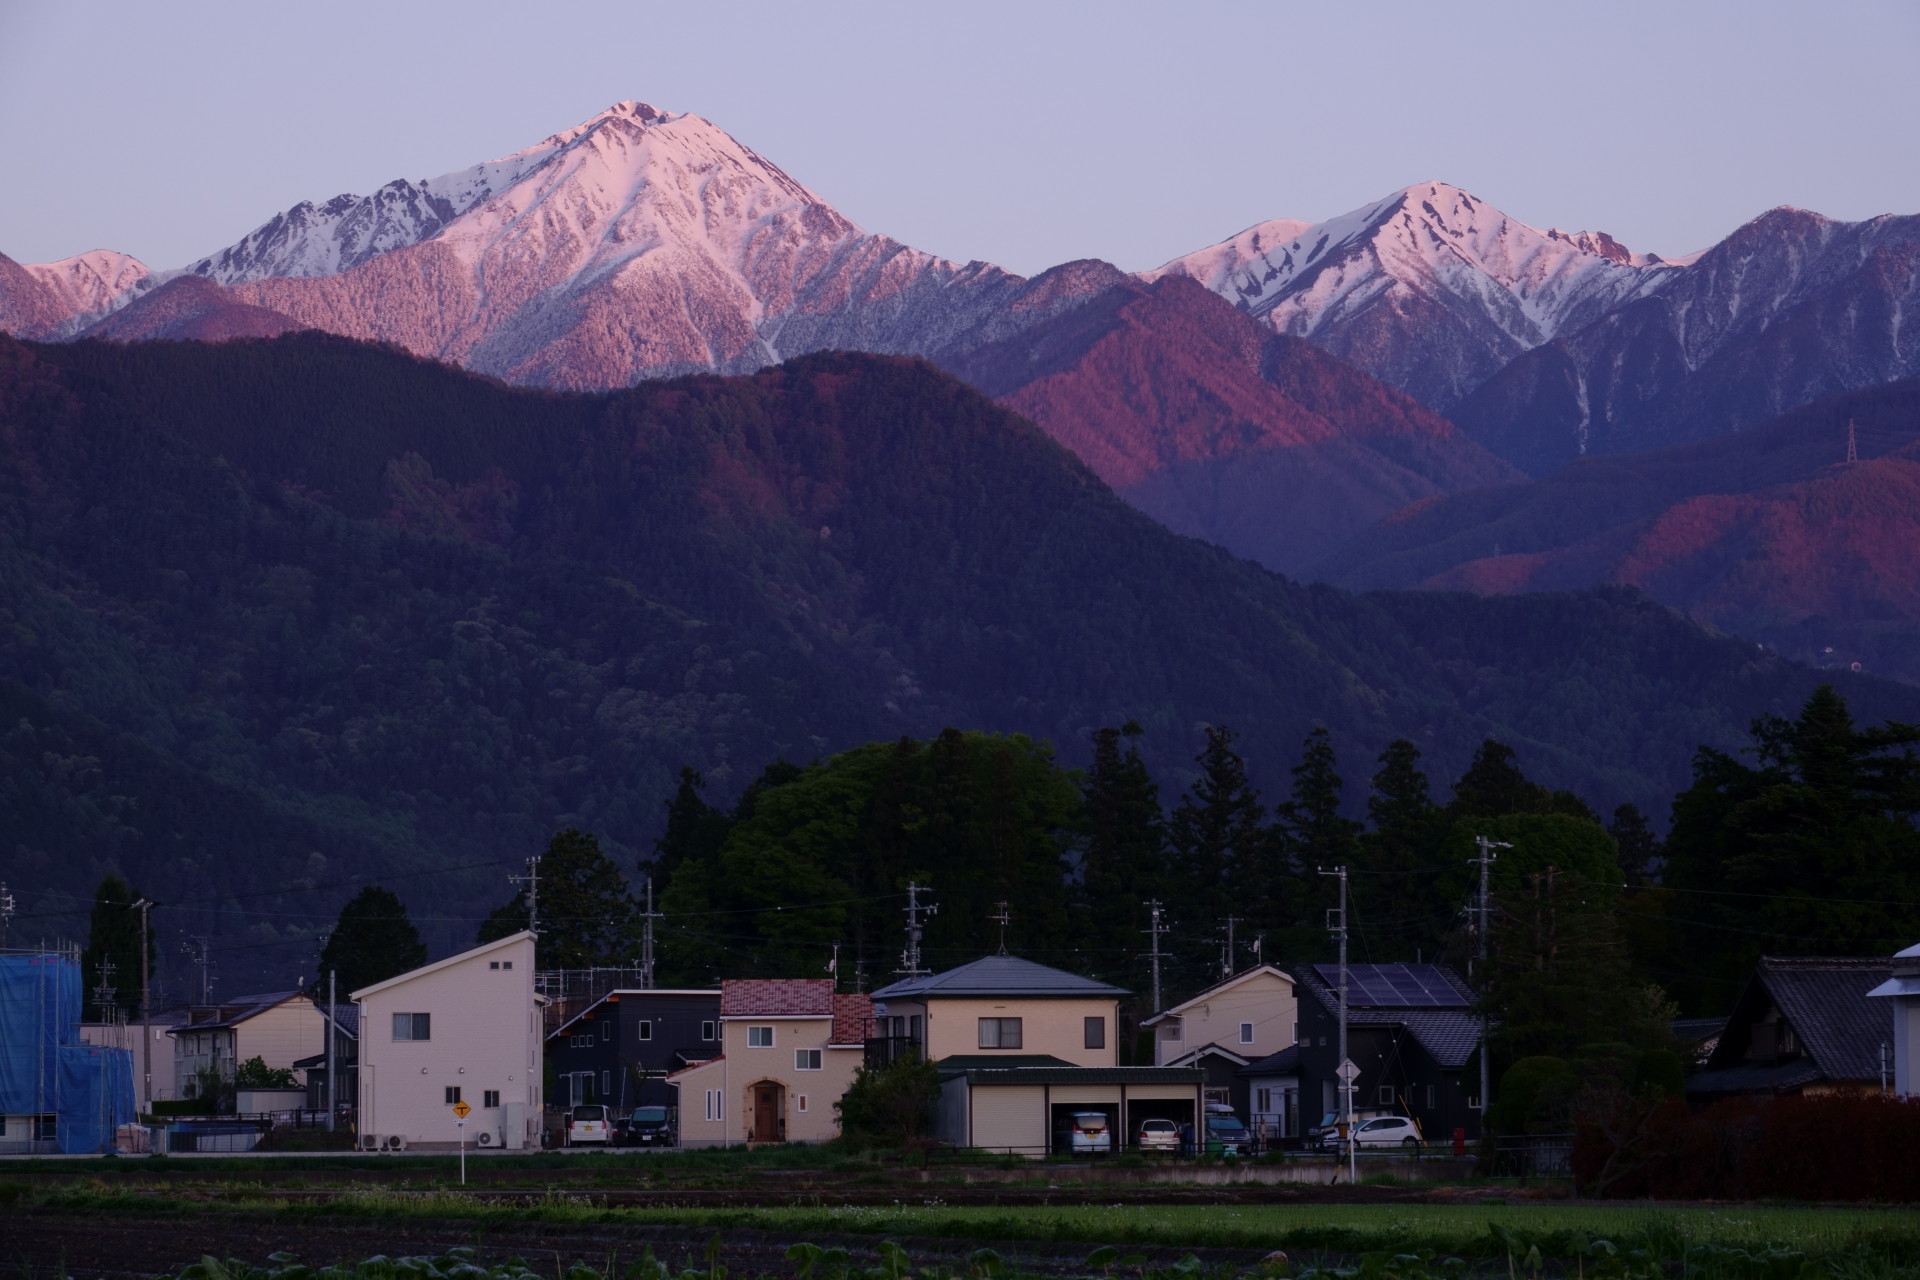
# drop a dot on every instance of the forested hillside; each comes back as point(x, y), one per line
point(283, 613)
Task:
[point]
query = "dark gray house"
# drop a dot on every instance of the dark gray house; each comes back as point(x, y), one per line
point(345, 1023)
point(620, 1049)
point(1804, 1024)
point(1411, 1029)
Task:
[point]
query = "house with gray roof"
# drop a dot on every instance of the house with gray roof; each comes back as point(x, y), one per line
point(1804, 1024)
point(1411, 1030)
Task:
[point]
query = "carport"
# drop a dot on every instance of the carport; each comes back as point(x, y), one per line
point(1025, 1110)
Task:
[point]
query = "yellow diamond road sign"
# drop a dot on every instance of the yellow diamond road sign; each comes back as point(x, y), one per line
point(462, 1109)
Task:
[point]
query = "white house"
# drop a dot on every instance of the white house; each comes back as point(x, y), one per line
point(1225, 1030)
point(464, 1029)
point(1902, 993)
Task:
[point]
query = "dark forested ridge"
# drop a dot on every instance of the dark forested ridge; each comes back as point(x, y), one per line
point(281, 613)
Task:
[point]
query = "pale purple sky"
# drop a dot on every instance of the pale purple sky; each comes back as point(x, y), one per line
point(1022, 133)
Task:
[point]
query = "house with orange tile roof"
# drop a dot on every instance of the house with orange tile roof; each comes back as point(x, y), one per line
point(789, 1048)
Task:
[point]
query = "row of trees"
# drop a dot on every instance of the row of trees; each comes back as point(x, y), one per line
point(1806, 845)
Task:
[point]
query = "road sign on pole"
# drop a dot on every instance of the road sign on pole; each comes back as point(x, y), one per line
point(461, 1110)
point(1347, 1071)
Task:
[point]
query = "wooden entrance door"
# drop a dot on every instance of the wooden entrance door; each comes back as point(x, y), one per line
point(767, 1119)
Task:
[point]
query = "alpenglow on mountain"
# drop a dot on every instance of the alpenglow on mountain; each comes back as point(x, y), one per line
point(644, 244)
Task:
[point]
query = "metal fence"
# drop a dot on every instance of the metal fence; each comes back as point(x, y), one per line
point(569, 991)
point(1533, 1156)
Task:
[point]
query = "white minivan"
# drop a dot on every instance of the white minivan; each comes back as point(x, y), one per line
point(1090, 1134)
point(589, 1124)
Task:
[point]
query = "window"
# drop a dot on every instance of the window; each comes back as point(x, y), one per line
point(1246, 1033)
point(490, 1098)
point(714, 1100)
point(413, 1026)
point(1295, 1034)
point(606, 1084)
point(1263, 1100)
point(646, 1029)
point(506, 964)
point(1170, 1029)
point(999, 1033)
point(453, 1094)
point(606, 1029)
point(806, 1059)
point(1386, 1095)
point(1096, 1033)
point(493, 964)
point(1429, 1097)
point(803, 1102)
point(759, 1037)
point(706, 1031)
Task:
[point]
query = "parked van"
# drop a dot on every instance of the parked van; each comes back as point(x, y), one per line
point(1226, 1136)
point(1089, 1133)
point(589, 1124)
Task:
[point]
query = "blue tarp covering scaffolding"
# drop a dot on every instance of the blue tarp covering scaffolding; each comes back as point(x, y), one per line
point(44, 1067)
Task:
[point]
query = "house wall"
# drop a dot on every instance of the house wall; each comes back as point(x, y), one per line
point(746, 1067)
point(698, 1089)
point(1906, 1043)
point(1049, 1025)
point(282, 1035)
point(1265, 999)
point(626, 1071)
point(486, 1034)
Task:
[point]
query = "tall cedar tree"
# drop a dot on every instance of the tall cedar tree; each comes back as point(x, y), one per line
point(113, 938)
point(1316, 837)
point(695, 829)
point(1813, 849)
point(1640, 849)
point(586, 913)
point(373, 940)
point(1558, 977)
point(1493, 786)
point(1123, 863)
point(1223, 862)
point(1398, 913)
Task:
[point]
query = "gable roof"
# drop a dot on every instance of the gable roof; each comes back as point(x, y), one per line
point(776, 998)
point(1284, 1063)
point(1214, 1049)
point(999, 976)
point(498, 944)
point(851, 1013)
point(1825, 1000)
point(230, 1013)
point(1245, 975)
point(1449, 1035)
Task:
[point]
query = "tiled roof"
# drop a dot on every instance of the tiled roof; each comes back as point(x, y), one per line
point(1825, 1000)
point(999, 976)
point(347, 1016)
point(1780, 1077)
point(1284, 1063)
point(228, 1013)
point(850, 1016)
point(954, 1063)
point(776, 997)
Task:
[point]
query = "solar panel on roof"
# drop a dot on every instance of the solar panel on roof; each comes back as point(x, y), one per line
point(1394, 986)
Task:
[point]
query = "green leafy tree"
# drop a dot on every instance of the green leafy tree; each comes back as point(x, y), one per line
point(373, 940)
point(1640, 849)
point(1223, 852)
point(254, 1073)
point(1123, 862)
point(1811, 849)
point(890, 1106)
point(113, 948)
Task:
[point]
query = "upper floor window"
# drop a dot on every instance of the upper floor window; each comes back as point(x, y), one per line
point(759, 1037)
point(706, 1031)
point(499, 964)
point(1000, 1033)
point(413, 1026)
point(1246, 1033)
point(806, 1059)
point(1170, 1029)
point(1096, 1033)
point(645, 1029)
point(606, 1028)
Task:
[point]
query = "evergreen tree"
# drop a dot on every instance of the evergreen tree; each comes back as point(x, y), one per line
point(1400, 915)
point(695, 829)
point(371, 941)
point(1640, 849)
point(1493, 786)
point(586, 913)
point(1223, 860)
point(1123, 862)
point(113, 938)
point(1316, 836)
point(1558, 976)
point(1812, 849)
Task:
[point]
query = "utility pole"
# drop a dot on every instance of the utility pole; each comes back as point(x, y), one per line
point(333, 1036)
point(833, 966)
point(1154, 929)
point(1002, 918)
point(532, 881)
point(1339, 931)
point(910, 966)
point(146, 1017)
point(197, 951)
point(647, 918)
point(1227, 948)
point(1853, 445)
point(1484, 925)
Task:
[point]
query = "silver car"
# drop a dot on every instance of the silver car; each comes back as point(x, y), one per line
point(1158, 1135)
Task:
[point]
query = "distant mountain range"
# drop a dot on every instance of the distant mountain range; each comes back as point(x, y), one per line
point(283, 612)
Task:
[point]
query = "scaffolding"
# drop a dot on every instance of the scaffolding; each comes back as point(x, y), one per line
point(57, 1093)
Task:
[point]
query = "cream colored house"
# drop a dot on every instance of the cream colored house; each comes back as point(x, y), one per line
point(789, 1048)
point(278, 1027)
point(1001, 1007)
point(1225, 1030)
point(464, 1029)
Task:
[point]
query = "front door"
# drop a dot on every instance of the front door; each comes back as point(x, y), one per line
point(768, 1122)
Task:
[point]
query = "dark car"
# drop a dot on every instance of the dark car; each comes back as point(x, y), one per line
point(646, 1127)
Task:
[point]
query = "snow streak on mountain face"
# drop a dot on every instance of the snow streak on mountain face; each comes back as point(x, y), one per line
point(90, 285)
point(1429, 288)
